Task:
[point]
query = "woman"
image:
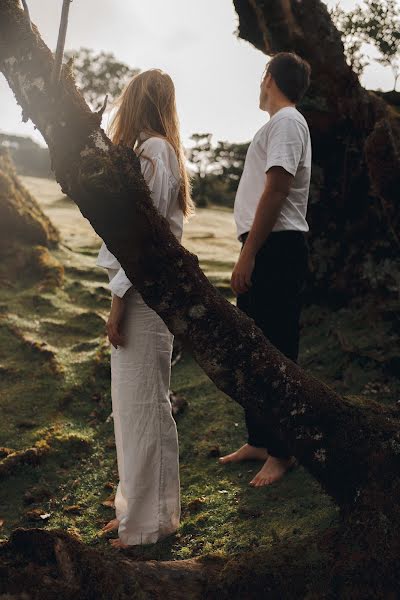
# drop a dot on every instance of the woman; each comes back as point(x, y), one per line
point(147, 500)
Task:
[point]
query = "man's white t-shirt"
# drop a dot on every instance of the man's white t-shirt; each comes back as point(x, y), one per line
point(283, 141)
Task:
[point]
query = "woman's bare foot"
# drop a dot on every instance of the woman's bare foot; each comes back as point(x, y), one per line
point(111, 526)
point(273, 470)
point(116, 543)
point(246, 452)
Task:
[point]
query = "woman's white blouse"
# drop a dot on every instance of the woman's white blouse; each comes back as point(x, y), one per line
point(162, 176)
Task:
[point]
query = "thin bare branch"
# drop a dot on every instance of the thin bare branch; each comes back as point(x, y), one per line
point(26, 10)
point(61, 42)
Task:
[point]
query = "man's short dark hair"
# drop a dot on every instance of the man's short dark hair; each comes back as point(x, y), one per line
point(291, 74)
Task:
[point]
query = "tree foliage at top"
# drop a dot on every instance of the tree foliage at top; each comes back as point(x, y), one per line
point(375, 23)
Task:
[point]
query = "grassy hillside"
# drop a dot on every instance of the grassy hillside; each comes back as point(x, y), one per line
point(57, 455)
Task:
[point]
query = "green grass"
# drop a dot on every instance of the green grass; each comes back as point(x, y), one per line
point(58, 394)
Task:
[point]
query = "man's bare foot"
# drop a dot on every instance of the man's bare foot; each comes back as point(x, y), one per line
point(246, 452)
point(273, 470)
point(111, 526)
point(116, 543)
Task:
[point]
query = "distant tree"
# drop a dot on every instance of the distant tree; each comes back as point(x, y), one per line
point(217, 169)
point(200, 157)
point(99, 74)
point(376, 23)
point(230, 161)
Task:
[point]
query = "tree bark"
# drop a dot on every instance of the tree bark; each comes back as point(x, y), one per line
point(352, 449)
point(45, 565)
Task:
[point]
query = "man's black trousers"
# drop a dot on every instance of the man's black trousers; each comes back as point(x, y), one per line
point(274, 302)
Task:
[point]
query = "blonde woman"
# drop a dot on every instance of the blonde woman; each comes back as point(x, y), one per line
point(147, 500)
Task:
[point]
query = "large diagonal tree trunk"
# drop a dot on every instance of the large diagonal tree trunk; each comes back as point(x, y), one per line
point(352, 450)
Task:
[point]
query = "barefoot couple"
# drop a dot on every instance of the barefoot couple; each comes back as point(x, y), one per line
point(268, 280)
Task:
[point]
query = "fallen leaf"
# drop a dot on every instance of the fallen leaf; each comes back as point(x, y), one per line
point(74, 508)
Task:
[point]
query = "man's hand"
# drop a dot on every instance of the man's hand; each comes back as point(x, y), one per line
point(115, 322)
point(241, 276)
point(277, 186)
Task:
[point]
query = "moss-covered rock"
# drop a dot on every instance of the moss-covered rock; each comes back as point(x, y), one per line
point(21, 218)
point(26, 233)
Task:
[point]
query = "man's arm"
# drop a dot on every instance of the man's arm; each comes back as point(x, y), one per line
point(277, 187)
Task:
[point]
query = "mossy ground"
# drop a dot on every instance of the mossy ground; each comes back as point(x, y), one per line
point(58, 393)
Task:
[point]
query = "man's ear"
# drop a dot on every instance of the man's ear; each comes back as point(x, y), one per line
point(267, 79)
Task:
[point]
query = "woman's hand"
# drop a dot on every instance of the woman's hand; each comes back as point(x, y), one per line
point(115, 322)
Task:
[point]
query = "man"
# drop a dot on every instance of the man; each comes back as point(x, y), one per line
point(270, 214)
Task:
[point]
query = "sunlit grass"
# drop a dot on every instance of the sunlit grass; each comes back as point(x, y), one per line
point(58, 395)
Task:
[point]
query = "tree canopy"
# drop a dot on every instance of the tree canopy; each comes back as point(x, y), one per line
point(375, 23)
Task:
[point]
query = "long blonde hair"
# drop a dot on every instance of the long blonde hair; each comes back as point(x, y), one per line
point(147, 106)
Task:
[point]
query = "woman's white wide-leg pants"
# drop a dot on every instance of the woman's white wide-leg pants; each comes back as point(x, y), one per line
point(147, 501)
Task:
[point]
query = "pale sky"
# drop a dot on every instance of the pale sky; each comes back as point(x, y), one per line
point(216, 75)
